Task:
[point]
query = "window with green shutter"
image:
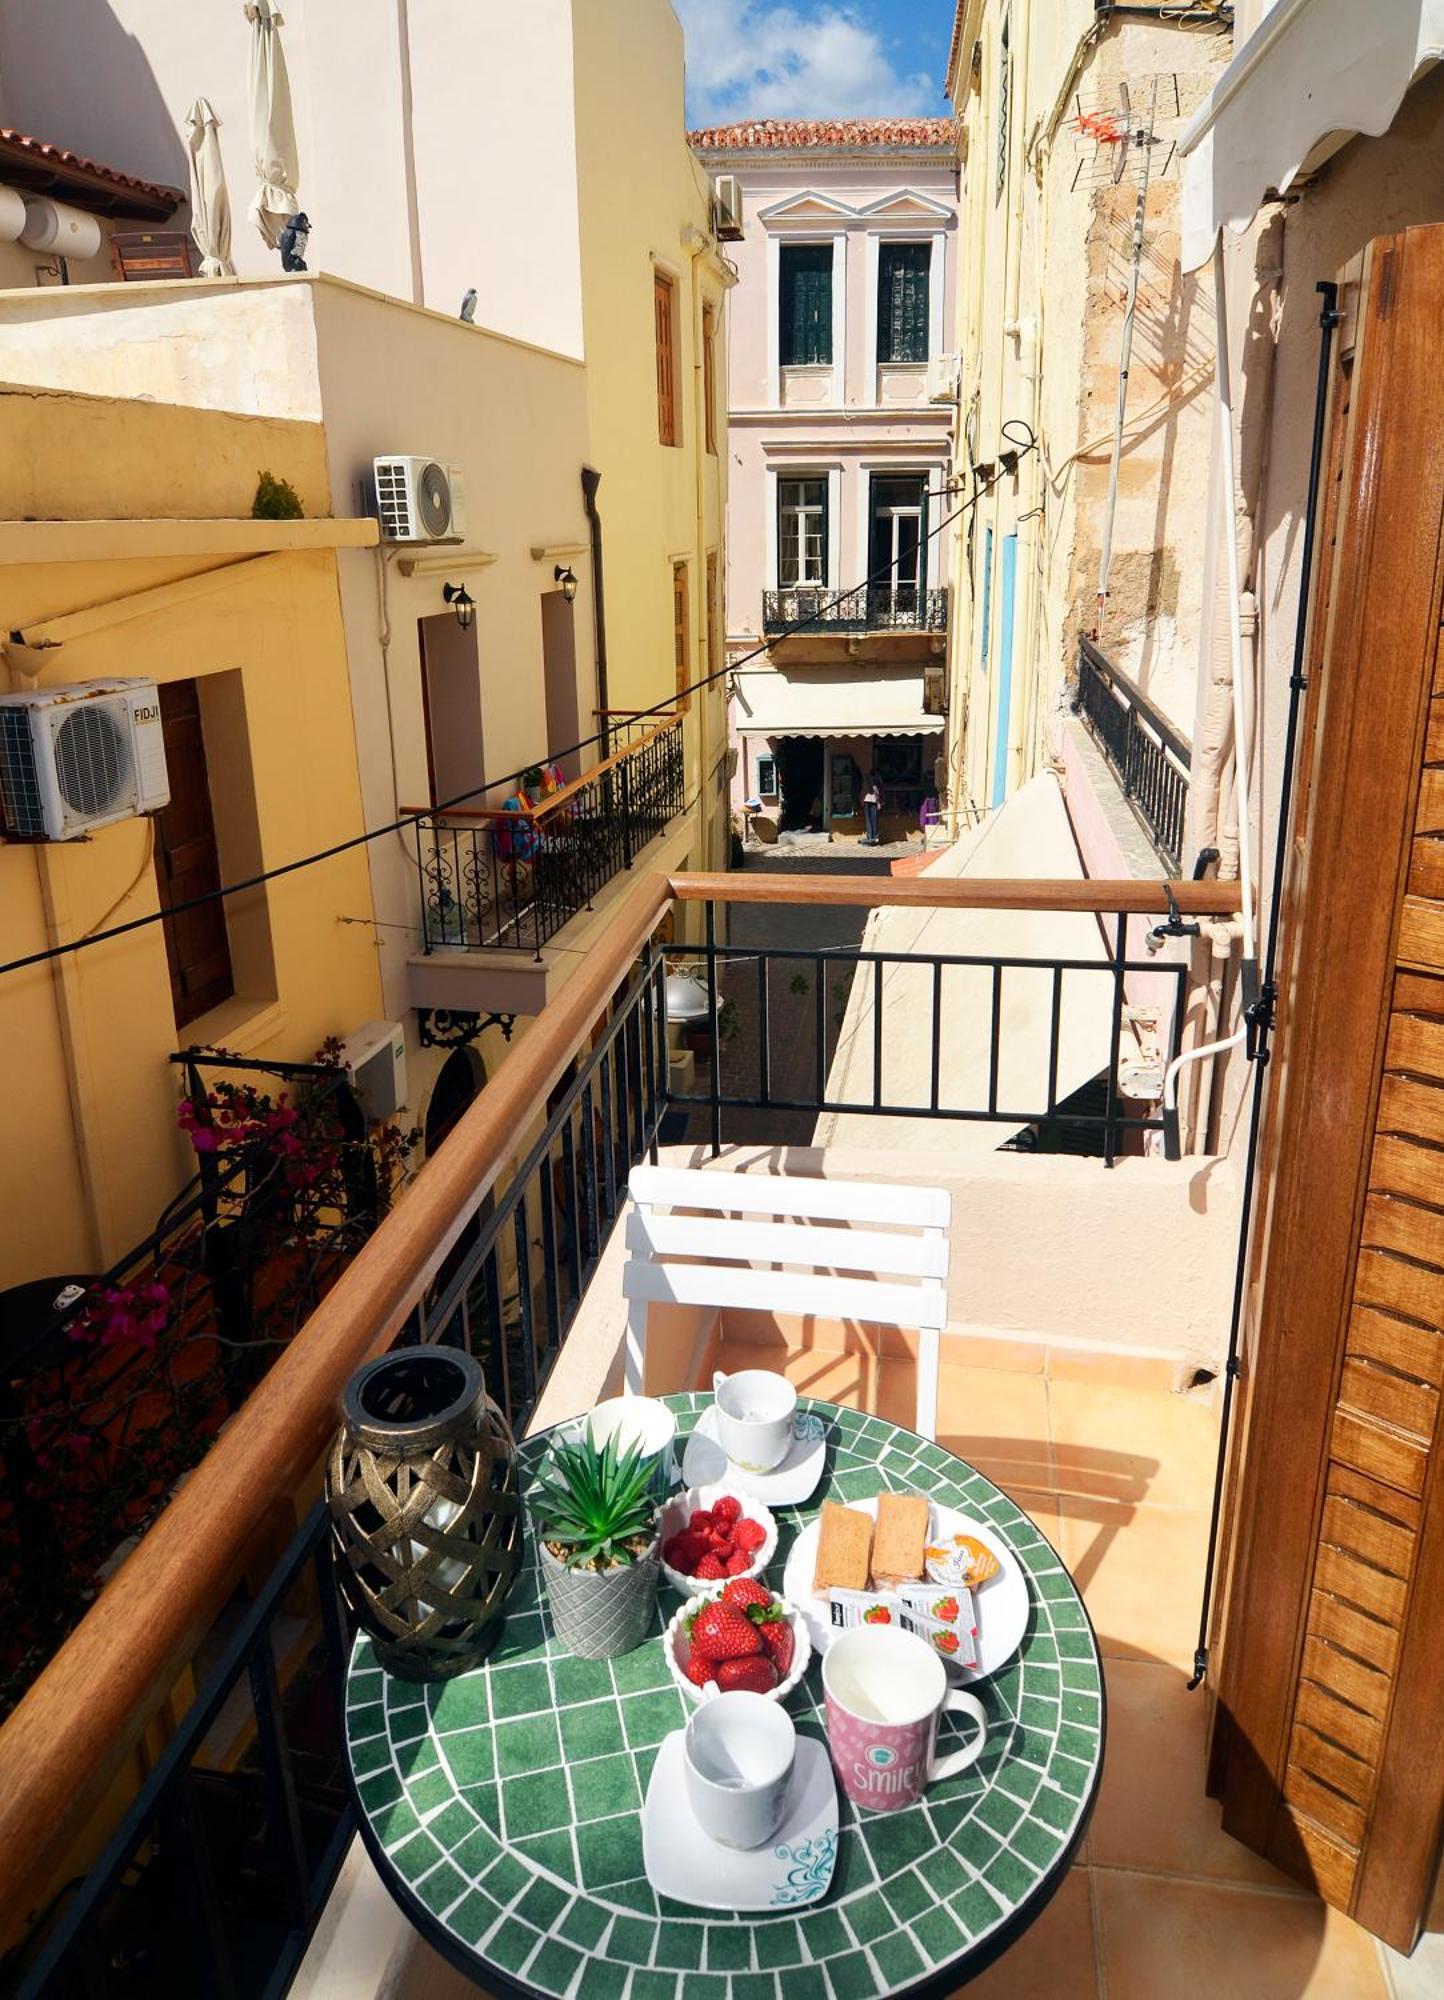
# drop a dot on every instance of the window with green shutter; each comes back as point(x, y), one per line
point(903, 271)
point(805, 331)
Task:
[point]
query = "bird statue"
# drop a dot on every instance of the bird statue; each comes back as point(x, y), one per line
point(468, 306)
point(294, 238)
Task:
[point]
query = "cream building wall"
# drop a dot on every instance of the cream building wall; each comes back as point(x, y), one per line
point(1046, 252)
point(93, 1098)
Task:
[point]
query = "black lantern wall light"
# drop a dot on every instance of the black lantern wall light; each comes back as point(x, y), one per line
point(462, 603)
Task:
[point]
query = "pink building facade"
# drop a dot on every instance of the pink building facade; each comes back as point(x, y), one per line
point(840, 432)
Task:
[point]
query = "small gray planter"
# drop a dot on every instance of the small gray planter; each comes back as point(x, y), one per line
point(597, 1614)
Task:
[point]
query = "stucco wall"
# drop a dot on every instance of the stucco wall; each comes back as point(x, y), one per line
point(95, 1095)
point(403, 114)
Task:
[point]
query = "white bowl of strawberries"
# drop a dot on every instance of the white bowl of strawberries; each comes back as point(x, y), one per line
point(745, 1636)
point(710, 1533)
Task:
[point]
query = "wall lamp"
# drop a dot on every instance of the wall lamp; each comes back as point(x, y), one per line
point(462, 603)
point(567, 578)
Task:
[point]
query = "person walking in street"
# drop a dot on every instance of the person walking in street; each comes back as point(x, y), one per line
point(871, 806)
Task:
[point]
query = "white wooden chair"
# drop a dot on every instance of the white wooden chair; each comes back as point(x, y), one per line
point(739, 1254)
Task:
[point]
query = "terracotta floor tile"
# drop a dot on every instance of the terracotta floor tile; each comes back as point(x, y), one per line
point(1138, 1444)
point(1152, 1810)
point(1140, 1570)
point(1054, 1959)
point(980, 1350)
point(1161, 1938)
point(993, 1418)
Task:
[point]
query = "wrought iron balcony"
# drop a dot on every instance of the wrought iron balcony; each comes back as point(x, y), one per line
point(872, 607)
point(510, 877)
point(1146, 754)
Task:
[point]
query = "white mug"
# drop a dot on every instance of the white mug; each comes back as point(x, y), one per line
point(884, 1691)
point(755, 1409)
point(639, 1420)
point(738, 1754)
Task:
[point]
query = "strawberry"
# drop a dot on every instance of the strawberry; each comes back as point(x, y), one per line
point(737, 1562)
point(700, 1668)
point(709, 1567)
point(757, 1676)
point(747, 1590)
point(749, 1535)
point(724, 1631)
point(727, 1511)
point(780, 1643)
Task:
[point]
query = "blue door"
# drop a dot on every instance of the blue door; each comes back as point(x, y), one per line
point(1008, 585)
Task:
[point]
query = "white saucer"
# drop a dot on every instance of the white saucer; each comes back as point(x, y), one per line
point(788, 1872)
point(1002, 1603)
point(787, 1485)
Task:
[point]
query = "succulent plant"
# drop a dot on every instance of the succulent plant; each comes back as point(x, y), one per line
point(593, 1505)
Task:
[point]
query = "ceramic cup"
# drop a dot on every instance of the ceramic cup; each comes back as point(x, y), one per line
point(755, 1409)
point(885, 1691)
point(639, 1420)
point(738, 1754)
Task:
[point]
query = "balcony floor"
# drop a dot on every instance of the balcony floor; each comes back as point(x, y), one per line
point(1118, 1473)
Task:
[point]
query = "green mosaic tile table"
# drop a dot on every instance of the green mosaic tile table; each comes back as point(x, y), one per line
point(503, 1808)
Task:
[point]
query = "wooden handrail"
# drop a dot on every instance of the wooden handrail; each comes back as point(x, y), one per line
point(85, 1713)
point(927, 891)
point(554, 800)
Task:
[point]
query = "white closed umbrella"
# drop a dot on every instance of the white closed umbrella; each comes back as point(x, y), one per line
point(273, 124)
point(210, 203)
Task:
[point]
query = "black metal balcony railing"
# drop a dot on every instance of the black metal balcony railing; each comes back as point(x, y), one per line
point(495, 878)
point(872, 607)
point(1147, 755)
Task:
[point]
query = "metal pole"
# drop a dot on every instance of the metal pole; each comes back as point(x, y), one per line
point(1125, 357)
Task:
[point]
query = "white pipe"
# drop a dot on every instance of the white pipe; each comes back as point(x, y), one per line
point(1224, 390)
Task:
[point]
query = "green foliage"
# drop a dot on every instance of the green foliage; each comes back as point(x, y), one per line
point(800, 984)
point(276, 500)
point(728, 1020)
point(594, 1502)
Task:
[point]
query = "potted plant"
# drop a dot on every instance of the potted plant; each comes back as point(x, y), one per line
point(597, 1537)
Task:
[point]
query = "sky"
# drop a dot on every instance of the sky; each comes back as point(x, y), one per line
point(814, 58)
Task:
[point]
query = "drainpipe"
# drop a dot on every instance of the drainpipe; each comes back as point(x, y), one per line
point(591, 480)
point(698, 244)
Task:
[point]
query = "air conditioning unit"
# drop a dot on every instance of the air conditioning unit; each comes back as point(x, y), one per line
point(418, 499)
point(80, 757)
point(944, 371)
point(727, 208)
point(374, 1059)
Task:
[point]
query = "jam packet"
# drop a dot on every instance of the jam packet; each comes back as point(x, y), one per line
point(955, 1641)
point(963, 1561)
point(863, 1607)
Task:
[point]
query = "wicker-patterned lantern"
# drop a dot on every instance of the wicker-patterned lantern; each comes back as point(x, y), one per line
point(422, 1487)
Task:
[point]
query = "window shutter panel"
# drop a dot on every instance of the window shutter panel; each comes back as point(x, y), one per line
point(902, 301)
point(806, 304)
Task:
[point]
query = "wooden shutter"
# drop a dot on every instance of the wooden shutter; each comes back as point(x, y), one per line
point(714, 633)
point(806, 304)
point(197, 946)
point(662, 299)
point(1328, 1754)
point(903, 273)
point(681, 633)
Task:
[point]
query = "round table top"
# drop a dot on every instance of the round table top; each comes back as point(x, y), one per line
point(503, 1808)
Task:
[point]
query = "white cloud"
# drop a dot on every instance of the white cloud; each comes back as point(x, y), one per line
point(756, 59)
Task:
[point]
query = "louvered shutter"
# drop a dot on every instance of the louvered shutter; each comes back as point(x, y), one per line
point(806, 305)
point(902, 301)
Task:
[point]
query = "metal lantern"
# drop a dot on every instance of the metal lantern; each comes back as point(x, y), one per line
point(425, 1513)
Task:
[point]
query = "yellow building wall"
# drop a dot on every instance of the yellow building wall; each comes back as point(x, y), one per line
point(93, 1152)
point(645, 205)
point(1044, 267)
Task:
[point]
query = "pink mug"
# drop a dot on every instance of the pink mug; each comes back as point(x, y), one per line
point(884, 1691)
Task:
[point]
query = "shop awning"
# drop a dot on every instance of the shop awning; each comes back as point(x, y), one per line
point(1029, 837)
point(1311, 76)
point(825, 701)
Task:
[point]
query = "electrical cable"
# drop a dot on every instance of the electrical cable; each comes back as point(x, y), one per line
point(396, 826)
